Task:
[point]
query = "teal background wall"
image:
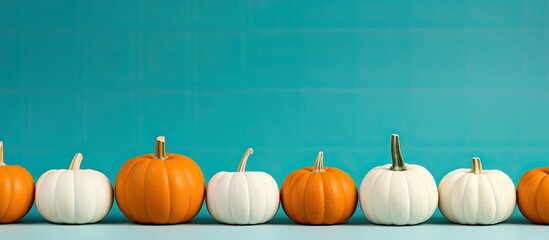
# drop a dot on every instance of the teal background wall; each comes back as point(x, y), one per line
point(455, 79)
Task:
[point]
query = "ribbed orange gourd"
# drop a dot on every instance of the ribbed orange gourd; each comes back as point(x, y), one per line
point(533, 195)
point(319, 195)
point(16, 191)
point(160, 188)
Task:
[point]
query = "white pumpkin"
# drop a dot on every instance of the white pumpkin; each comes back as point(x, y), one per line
point(476, 196)
point(242, 197)
point(398, 194)
point(74, 196)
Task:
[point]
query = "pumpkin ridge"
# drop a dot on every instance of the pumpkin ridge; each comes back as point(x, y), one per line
point(121, 198)
point(166, 172)
point(19, 177)
point(194, 174)
point(10, 211)
point(74, 193)
point(450, 189)
point(125, 179)
point(230, 180)
point(147, 216)
point(495, 218)
point(452, 213)
point(325, 195)
point(340, 187)
point(391, 174)
point(429, 197)
point(375, 219)
point(308, 185)
point(181, 164)
point(13, 213)
point(249, 205)
point(185, 186)
point(151, 185)
point(39, 185)
point(301, 211)
point(530, 177)
point(97, 199)
point(346, 181)
point(57, 176)
point(512, 209)
point(426, 217)
point(224, 213)
point(538, 192)
point(211, 204)
point(479, 176)
point(350, 200)
point(427, 178)
point(409, 198)
point(28, 190)
point(391, 182)
point(285, 192)
point(274, 199)
point(5, 212)
point(263, 179)
point(536, 212)
point(463, 194)
point(173, 218)
point(189, 178)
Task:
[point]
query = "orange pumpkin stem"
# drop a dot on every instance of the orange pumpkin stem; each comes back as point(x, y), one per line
point(242, 165)
point(319, 164)
point(477, 166)
point(398, 161)
point(160, 152)
point(76, 161)
point(2, 154)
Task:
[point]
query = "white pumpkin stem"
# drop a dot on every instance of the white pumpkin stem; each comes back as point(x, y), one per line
point(76, 161)
point(2, 154)
point(319, 164)
point(477, 166)
point(160, 152)
point(242, 165)
point(398, 161)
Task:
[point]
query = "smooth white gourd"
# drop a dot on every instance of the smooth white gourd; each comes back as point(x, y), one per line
point(74, 196)
point(242, 197)
point(398, 193)
point(476, 196)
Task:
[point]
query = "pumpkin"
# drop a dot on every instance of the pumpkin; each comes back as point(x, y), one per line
point(160, 188)
point(398, 193)
point(533, 195)
point(16, 191)
point(476, 196)
point(319, 195)
point(74, 196)
point(242, 197)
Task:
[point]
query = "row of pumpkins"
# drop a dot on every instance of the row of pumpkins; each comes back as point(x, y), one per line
point(166, 188)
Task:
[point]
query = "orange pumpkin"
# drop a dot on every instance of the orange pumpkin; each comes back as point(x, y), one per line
point(160, 188)
point(318, 195)
point(533, 195)
point(16, 191)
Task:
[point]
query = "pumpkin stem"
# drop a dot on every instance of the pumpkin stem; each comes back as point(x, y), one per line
point(160, 152)
point(242, 165)
point(76, 161)
point(477, 166)
point(2, 154)
point(398, 161)
point(319, 164)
